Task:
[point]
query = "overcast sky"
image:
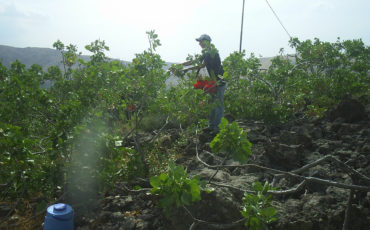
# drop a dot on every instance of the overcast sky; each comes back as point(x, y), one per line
point(123, 23)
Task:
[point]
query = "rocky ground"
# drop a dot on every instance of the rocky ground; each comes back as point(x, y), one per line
point(339, 143)
point(336, 149)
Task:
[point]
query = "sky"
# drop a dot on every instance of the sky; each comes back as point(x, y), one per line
point(122, 24)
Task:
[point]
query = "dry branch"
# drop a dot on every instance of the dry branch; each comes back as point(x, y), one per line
point(160, 130)
point(133, 191)
point(213, 225)
point(348, 211)
point(290, 174)
point(298, 188)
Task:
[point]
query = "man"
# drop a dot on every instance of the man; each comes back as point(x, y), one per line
point(211, 60)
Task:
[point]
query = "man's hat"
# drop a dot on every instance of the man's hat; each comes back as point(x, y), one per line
point(203, 37)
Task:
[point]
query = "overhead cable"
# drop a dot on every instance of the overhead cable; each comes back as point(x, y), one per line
point(241, 30)
point(278, 19)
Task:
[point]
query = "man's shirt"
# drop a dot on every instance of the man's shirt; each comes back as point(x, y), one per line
point(213, 65)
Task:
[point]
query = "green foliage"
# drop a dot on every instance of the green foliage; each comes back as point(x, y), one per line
point(251, 94)
point(97, 48)
point(176, 188)
point(233, 140)
point(177, 70)
point(183, 104)
point(236, 66)
point(69, 56)
point(23, 170)
point(152, 122)
point(257, 208)
point(23, 134)
point(311, 81)
point(325, 72)
point(43, 131)
point(154, 42)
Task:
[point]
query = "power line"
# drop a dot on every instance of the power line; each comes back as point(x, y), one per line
point(278, 19)
point(241, 30)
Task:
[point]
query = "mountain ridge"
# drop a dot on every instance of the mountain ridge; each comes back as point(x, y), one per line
point(46, 57)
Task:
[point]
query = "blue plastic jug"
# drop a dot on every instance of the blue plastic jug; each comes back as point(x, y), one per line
point(59, 217)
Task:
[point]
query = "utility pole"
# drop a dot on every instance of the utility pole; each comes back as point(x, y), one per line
point(241, 30)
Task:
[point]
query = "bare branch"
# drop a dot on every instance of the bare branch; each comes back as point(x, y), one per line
point(336, 184)
point(347, 168)
point(218, 168)
point(348, 211)
point(212, 224)
point(41, 147)
point(289, 174)
point(193, 226)
point(159, 132)
point(299, 187)
point(311, 165)
point(133, 191)
point(231, 187)
point(350, 171)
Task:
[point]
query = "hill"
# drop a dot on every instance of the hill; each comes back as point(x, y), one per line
point(44, 57)
point(47, 57)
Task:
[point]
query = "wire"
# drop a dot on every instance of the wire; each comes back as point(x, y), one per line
point(241, 30)
point(278, 19)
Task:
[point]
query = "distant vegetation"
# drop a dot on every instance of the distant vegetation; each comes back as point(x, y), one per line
point(83, 122)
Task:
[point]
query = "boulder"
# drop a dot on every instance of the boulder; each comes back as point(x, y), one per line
point(350, 109)
point(4, 209)
point(219, 206)
point(282, 156)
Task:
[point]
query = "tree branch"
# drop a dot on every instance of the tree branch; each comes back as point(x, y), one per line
point(298, 188)
point(351, 171)
point(212, 224)
point(289, 174)
point(159, 132)
point(218, 168)
point(348, 211)
point(41, 147)
point(134, 191)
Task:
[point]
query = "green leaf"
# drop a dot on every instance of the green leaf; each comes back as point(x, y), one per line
point(254, 221)
point(256, 207)
point(137, 187)
point(266, 187)
point(163, 177)
point(186, 198)
point(269, 211)
point(167, 201)
point(155, 181)
point(257, 186)
point(195, 191)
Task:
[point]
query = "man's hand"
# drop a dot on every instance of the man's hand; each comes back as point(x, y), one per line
point(191, 68)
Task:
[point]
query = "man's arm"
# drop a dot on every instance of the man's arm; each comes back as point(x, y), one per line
point(195, 67)
point(186, 63)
